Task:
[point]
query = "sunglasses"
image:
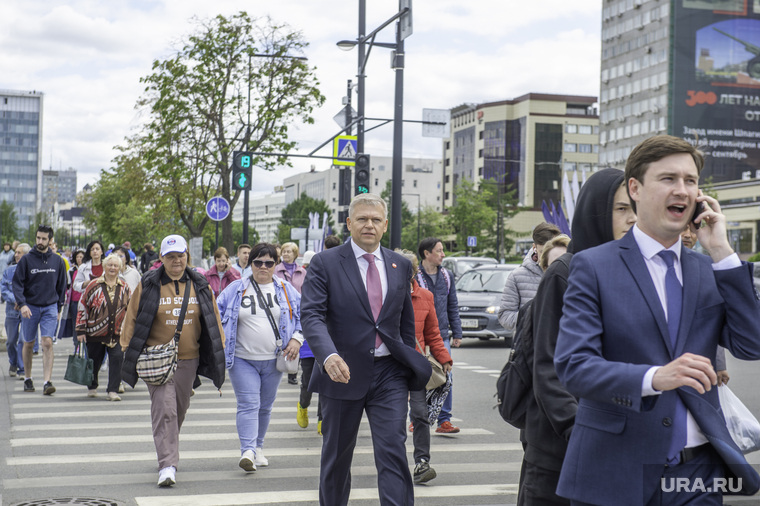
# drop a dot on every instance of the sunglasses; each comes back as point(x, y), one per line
point(268, 264)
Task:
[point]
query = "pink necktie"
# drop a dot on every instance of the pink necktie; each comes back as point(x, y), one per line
point(374, 291)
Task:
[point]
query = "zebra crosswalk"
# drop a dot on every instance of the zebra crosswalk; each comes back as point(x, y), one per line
point(69, 445)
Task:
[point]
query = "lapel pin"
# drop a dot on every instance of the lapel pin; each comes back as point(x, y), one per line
point(393, 265)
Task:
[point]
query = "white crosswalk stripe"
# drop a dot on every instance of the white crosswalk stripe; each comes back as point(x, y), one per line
point(69, 443)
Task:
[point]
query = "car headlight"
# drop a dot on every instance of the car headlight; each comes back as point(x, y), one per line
point(492, 309)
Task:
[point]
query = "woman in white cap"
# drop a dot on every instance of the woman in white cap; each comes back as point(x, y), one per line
point(152, 319)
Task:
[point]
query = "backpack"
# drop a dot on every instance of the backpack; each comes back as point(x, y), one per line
point(515, 384)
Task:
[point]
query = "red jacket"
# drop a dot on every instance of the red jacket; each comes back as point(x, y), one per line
point(212, 276)
point(426, 324)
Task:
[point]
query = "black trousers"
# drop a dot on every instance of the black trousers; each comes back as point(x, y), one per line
point(97, 352)
point(307, 366)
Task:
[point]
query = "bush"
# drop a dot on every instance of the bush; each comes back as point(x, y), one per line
point(754, 258)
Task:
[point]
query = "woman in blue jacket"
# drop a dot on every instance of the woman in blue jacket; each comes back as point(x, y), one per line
point(252, 343)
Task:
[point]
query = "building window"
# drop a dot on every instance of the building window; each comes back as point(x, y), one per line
point(584, 129)
point(480, 171)
point(480, 153)
point(448, 160)
point(377, 182)
point(569, 166)
point(448, 144)
point(447, 196)
point(570, 148)
point(448, 178)
point(571, 129)
point(480, 135)
point(414, 183)
point(584, 148)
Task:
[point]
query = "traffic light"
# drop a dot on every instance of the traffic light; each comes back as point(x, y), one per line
point(241, 170)
point(361, 176)
point(344, 187)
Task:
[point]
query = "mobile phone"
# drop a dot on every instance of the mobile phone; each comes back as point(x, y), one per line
point(698, 209)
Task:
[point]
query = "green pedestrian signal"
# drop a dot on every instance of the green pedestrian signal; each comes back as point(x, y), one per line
point(361, 176)
point(241, 170)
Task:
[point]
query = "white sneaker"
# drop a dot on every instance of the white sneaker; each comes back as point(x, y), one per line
point(166, 476)
point(246, 462)
point(261, 460)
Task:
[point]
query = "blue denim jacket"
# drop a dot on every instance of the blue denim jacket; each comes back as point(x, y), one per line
point(6, 285)
point(229, 307)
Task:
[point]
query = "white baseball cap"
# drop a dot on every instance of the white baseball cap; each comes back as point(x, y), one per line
point(308, 256)
point(173, 244)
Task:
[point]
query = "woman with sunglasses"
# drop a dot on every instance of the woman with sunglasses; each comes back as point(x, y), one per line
point(261, 315)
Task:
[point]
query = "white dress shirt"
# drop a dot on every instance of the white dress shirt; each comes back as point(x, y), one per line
point(363, 264)
point(657, 267)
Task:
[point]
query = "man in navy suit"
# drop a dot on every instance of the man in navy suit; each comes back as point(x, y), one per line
point(641, 321)
point(357, 316)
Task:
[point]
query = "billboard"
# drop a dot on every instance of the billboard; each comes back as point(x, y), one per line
point(716, 83)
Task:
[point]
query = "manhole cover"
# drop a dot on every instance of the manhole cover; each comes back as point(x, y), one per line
point(86, 501)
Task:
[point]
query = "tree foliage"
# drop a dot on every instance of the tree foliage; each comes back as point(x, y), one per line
point(9, 230)
point(296, 215)
point(196, 105)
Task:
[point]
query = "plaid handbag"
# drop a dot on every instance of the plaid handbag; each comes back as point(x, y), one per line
point(156, 364)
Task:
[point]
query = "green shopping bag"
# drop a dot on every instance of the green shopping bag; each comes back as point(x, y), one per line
point(79, 368)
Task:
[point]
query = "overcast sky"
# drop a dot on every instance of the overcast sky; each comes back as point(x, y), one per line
point(87, 57)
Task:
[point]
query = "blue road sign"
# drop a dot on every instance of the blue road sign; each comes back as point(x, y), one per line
point(218, 208)
point(344, 150)
point(472, 241)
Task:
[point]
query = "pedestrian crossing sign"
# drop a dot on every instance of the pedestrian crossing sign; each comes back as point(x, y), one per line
point(344, 150)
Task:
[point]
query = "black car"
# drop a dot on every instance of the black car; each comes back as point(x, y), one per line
point(479, 293)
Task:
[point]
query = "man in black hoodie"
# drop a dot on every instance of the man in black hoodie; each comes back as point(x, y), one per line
point(39, 286)
point(603, 213)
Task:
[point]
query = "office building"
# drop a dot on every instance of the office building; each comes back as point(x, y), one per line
point(523, 144)
point(58, 187)
point(688, 68)
point(264, 214)
point(20, 152)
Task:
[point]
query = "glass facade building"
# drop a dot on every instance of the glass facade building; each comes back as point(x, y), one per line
point(20, 152)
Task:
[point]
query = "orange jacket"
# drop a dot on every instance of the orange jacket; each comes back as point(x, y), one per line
point(426, 324)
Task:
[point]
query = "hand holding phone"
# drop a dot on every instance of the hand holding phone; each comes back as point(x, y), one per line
point(698, 209)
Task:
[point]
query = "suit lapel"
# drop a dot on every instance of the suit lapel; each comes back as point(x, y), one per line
point(691, 281)
point(393, 279)
point(351, 268)
point(631, 255)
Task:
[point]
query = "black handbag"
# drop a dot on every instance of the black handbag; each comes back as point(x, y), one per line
point(156, 364)
point(80, 367)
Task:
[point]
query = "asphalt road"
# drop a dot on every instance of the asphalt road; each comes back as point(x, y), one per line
point(69, 446)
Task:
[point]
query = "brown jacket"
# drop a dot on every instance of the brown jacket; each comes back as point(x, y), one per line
point(99, 318)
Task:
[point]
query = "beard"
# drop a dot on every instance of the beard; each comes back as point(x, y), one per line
point(41, 248)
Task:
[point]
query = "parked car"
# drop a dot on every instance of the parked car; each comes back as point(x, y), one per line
point(479, 292)
point(460, 265)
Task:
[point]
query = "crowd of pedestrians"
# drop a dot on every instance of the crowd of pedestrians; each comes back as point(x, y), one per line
point(361, 319)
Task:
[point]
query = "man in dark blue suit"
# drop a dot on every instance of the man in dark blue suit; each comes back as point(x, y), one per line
point(357, 316)
point(641, 321)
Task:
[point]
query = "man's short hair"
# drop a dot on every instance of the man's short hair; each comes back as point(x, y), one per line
point(331, 241)
point(657, 148)
point(261, 249)
point(24, 247)
point(427, 244)
point(368, 199)
point(544, 232)
point(243, 246)
point(46, 229)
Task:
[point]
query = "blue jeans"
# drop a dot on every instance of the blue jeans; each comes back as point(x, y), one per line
point(445, 414)
point(255, 384)
point(43, 317)
point(13, 345)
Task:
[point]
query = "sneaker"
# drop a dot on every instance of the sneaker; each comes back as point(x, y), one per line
point(319, 427)
point(447, 428)
point(113, 396)
point(246, 462)
point(121, 388)
point(302, 417)
point(12, 371)
point(260, 460)
point(48, 388)
point(92, 392)
point(28, 385)
point(292, 379)
point(167, 477)
point(423, 472)
point(411, 427)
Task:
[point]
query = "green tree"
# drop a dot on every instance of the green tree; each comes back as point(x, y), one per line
point(209, 238)
point(296, 215)
point(198, 102)
point(472, 216)
point(9, 230)
point(504, 201)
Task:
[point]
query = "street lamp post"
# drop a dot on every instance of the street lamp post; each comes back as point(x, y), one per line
point(398, 116)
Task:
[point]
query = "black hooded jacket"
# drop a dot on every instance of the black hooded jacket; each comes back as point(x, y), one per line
point(551, 415)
